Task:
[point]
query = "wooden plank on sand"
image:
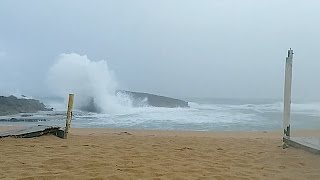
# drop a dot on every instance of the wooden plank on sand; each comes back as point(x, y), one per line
point(29, 132)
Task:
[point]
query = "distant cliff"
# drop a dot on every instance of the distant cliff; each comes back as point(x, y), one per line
point(139, 98)
point(12, 105)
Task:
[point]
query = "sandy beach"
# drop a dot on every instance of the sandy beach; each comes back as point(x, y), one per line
point(135, 154)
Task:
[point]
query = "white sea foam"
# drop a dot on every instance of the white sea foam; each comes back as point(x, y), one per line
point(73, 73)
point(202, 117)
point(88, 80)
point(268, 107)
point(218, 114)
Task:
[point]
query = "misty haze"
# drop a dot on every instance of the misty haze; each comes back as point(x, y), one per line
point(218, 59)
point(168, 66)
point(220, 49)
point(219, 52)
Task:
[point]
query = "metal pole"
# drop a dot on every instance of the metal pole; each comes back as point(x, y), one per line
point(287, 95)
point(69, 115)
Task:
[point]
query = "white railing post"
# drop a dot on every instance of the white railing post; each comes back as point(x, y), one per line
point(287, 95)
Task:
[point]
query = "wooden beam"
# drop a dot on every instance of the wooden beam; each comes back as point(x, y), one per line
point(69, 115)
point(30, 132)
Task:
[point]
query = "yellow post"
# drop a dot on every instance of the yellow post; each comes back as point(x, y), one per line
point(69, 115)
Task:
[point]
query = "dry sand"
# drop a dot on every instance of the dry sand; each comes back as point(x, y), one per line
point(128, 154)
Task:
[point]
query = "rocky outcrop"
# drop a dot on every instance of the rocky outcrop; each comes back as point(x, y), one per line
point(12, 105)
point(90, 107)
point(139, 98)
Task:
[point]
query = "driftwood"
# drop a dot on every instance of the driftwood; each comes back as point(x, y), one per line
point(34, 131)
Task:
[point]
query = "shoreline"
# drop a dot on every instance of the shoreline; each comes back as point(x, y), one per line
point(100, 153)
point(277, 134)
point(185, 133)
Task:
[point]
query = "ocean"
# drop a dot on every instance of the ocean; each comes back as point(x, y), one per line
point(204, 114)
point(94, 80)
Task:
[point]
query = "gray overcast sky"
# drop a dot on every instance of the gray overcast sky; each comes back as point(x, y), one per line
point(182, 48)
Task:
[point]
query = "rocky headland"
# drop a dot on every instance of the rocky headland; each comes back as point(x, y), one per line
point(154, 100)
point(12, 105)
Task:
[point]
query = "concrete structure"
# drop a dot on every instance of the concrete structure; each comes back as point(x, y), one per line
point(311, 144)
point(287, 95)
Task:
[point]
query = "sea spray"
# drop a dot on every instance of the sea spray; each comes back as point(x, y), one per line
point(92, 82)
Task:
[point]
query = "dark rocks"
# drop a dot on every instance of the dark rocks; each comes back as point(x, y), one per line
point(12, 105)
point(90, 107)
point(19, 119)
point(139, 98)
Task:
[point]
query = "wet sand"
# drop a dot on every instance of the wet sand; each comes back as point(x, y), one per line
point(135, 154)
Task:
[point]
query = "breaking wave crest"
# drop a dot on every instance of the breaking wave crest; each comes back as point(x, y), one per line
point(92, 82)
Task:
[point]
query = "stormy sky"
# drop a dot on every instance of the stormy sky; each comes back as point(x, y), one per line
point(181, 48)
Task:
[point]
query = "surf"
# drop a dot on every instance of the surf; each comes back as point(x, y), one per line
point(93, 83)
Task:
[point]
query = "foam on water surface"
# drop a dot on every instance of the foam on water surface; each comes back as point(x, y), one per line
point(199, 117)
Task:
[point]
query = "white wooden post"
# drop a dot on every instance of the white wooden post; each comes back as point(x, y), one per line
point(287, 95)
